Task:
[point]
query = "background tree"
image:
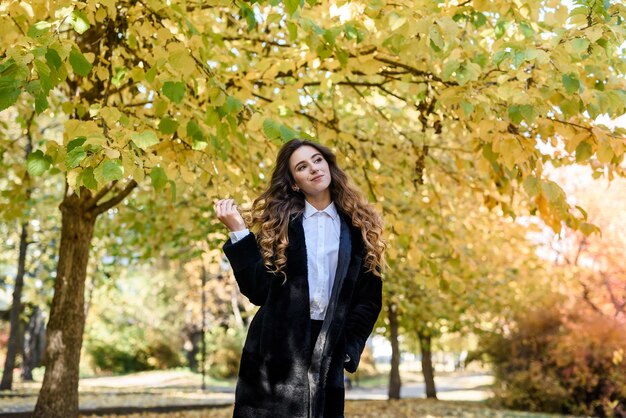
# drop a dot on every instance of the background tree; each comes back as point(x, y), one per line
point(25, 205)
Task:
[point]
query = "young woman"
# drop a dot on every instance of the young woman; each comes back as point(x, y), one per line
point(313, 267)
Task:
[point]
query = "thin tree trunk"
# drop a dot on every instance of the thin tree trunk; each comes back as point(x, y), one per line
point(16, 309)
point(33, 344)
point(64, 337)
point(394, 374)
point(427, 365)
point(234, 302)
point(203, 327)
point(194, 337)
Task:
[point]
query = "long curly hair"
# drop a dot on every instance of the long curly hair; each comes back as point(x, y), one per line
point(275, 207)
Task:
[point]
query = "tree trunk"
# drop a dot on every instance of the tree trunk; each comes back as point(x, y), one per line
point(34, 338)
point(59, 392)
point(427, 365)
point(193, 342)
point(16, 309)
point(58, 397)
point(394, 374)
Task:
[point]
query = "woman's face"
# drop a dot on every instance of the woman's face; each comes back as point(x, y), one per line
point(310, 171)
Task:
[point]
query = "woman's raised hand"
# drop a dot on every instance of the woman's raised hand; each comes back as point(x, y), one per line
point(227, 213)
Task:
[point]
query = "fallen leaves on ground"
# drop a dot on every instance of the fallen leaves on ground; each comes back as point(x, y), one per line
point(405, 408)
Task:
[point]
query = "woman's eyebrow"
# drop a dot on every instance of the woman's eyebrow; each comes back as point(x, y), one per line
point(304, 161)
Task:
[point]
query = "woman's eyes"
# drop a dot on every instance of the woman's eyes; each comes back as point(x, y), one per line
point(316, 161)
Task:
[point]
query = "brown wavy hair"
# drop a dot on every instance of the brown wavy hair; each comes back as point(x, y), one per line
point(275, 207)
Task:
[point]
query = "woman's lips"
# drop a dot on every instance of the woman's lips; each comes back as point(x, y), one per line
point(317, 178)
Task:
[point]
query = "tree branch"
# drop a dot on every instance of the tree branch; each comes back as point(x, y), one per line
point(587, 299)
point(116, 199)
point(415, 71)
point(94, 200)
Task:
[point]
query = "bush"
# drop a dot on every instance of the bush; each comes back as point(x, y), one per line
point(111, 359)
point(553, 362)
point(224, 351)
point(116, 359)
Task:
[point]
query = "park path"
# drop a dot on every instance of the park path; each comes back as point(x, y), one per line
point(182, 388)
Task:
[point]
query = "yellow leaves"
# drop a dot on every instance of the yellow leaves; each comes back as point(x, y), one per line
point(511, 151)
point(101, 14)
point(396, 21)
point(368, 65)
point(421, 26)
point(216, 96)
point(110, 6)
point(556, 18)
point(75, 128)
point(451, 96)
point(577, 46)
point(449, 27)
point(572, 137)
point(110, 115)
point(538, 55)
point(551, 219)
point(181, 61)
point(187, 175)
point(605, 150)
point(256, 122)
point(128, 162)
point(102, 72)
point(163, 35)
point(594, 33)
point(112, 154)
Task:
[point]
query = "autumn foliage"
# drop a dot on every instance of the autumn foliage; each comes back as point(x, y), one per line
point(566, 363)
point(143, 112)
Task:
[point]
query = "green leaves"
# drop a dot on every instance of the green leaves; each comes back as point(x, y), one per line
point(571, 83)
point(583, 151)
point(532, 186)
point(168, 125)
point(9, 92)
point(87, 178)
point(292, 5)
point(109, 170)
point(79, 21)
point(232, 105)
point(53, 58)
point(271, 128)
point(518, 113)
point(194, 131)
point(145, 139)
point(79, 63)
point(436, 39)
point(275, 130)
point(76, 142)
point(74, 157)
point(577, 46)
point(553, 192)
point(37, 163)
point(38, 29)
point(174, 90)
point(158, 177)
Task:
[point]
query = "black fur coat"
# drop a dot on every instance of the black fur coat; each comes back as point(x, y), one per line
point(279, 376)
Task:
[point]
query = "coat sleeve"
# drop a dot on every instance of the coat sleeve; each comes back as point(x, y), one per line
point(366, 305)
point(251, 274)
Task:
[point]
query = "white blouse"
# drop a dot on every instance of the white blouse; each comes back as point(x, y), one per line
point(321, 234)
